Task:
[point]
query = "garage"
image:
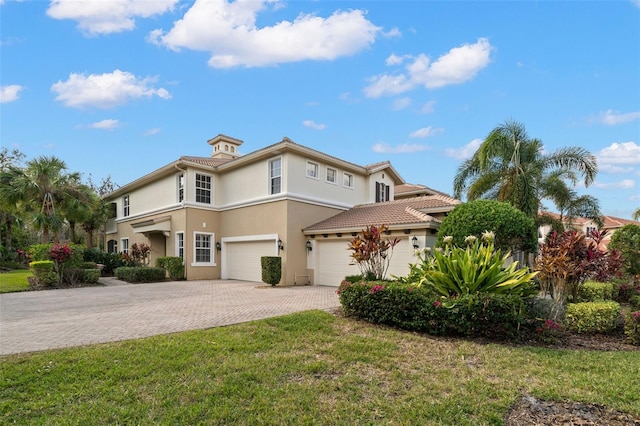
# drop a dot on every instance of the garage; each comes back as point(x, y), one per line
point(333, 258)
point(241, 257)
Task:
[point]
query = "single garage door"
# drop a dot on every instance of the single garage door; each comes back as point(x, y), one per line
point(333, 260)
point(242, 259)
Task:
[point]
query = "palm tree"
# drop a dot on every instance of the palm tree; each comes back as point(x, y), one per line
point(509, 166)
point(636, 214)
point(40, 188)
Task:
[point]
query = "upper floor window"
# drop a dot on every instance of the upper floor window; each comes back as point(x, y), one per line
point(382, 192)
point(203, 189)
point(312, 169)
point(125, 206)
point(180, 187)
point(347, 180)
point(591, 230)
point(275, 176)
point(332, 175)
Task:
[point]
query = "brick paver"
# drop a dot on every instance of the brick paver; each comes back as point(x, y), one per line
point(39, 320)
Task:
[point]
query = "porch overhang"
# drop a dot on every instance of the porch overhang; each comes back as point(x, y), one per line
point(160, 225)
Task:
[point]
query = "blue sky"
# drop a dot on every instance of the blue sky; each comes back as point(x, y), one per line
point(123, 87)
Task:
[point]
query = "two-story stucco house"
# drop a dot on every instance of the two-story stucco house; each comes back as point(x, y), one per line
point(223, 212)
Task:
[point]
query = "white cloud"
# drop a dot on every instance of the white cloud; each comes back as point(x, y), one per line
point(400, 104)
point(384, 148)
point(426, 132)
point(10, 93)
point(612, 118)
point(619, 157)
point(230, 33)
point(152, 132)
point(394, 59)
point(623, 184)
point(393, 32)
point(457, 66)
point(428, 107)
point(108, 124)
point(313, 125)
point(348, 98)
point(105, 90)
point(105, 17)
point(465, 152)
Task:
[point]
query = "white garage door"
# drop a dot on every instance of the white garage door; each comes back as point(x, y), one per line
point(333, 261)
point(242, 259)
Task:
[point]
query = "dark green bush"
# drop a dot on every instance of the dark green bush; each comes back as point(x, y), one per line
point(416, 309)
point(43, 273)
point(111, 261)
point(635, 301)
point(91, 276)
point(593, 291)
point(173, 265)
point(140, 274)
point(592, 317)
point(354, 278)
point(271, 269)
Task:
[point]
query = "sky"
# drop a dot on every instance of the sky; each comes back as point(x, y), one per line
point(121, 88)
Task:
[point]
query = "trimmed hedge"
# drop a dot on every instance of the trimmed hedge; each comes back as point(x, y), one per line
point(632, 327)
point(592, 317)
point(593, 291)
point(271, 269)
point(140, 274)
point(173, 265)
point(44, 273)
point(417, 309)
point(91, 276)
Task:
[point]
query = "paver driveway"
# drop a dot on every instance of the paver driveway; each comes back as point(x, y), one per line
point(32, 321)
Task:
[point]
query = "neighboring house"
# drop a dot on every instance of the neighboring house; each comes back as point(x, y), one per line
point(222, 213)
point(586, 226)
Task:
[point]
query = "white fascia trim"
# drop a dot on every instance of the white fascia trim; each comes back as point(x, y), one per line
point(244, 238)
point(287, 196)
point(169, 208)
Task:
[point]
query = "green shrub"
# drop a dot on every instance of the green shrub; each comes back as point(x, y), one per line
point(477, 268)
point(91, 276)
point(635, 301)
point(592, 317)
point(39, 252)
point(593, 291)
point(417, 309)
point(544, 308)
point(111, 261)
point(271, 269)
point(354, 278)
point(140, 274)
point(173, 265)
point(88, 265)
point(632, 327)
point(625, 291)
point(43, 273)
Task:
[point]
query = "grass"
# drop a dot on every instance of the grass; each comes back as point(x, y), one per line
point(304, 369)
point(15, 280)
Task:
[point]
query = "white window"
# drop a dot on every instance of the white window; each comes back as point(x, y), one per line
point(203, 249)
point(180, 245)
point(180, 187)
point(347, 180)
point(312, 170)
point(591, 230)
point(332, 175)
point(275, 176)
point(203, 189)
point(125, 206)
point(124, 245)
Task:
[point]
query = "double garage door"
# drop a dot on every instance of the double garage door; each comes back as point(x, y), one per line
point(333, 261)
point(241, 259)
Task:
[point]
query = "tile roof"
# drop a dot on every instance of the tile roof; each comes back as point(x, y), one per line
point(399, 212)
point(407, 188)
point(205, 161)
point(610, 222)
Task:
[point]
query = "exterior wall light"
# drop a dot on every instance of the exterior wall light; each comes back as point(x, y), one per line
point(218, 246)
point(414, 241)
point(309, 246)
point(280, 245)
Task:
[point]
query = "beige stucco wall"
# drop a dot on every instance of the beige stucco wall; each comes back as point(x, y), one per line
point(200, 220)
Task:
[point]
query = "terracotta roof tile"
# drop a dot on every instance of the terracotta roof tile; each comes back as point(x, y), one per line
point(205, 161)
point(398, 212)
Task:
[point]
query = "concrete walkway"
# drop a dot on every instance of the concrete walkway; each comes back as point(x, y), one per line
point(39, 320)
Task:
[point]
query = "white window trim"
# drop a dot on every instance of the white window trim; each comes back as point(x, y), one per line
point(122, 245)
point(352, 180)
point(336, 174)
point(184, 180)
point(212, 248)
point(195, 189)
point(270, 178)
point(317, 169)
point(177, 246)
point(126, 208)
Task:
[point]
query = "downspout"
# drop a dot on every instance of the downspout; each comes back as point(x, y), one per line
point(182, 202)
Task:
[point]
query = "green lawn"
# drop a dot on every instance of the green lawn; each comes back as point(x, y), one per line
point(307, 368)
point(15, 280)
